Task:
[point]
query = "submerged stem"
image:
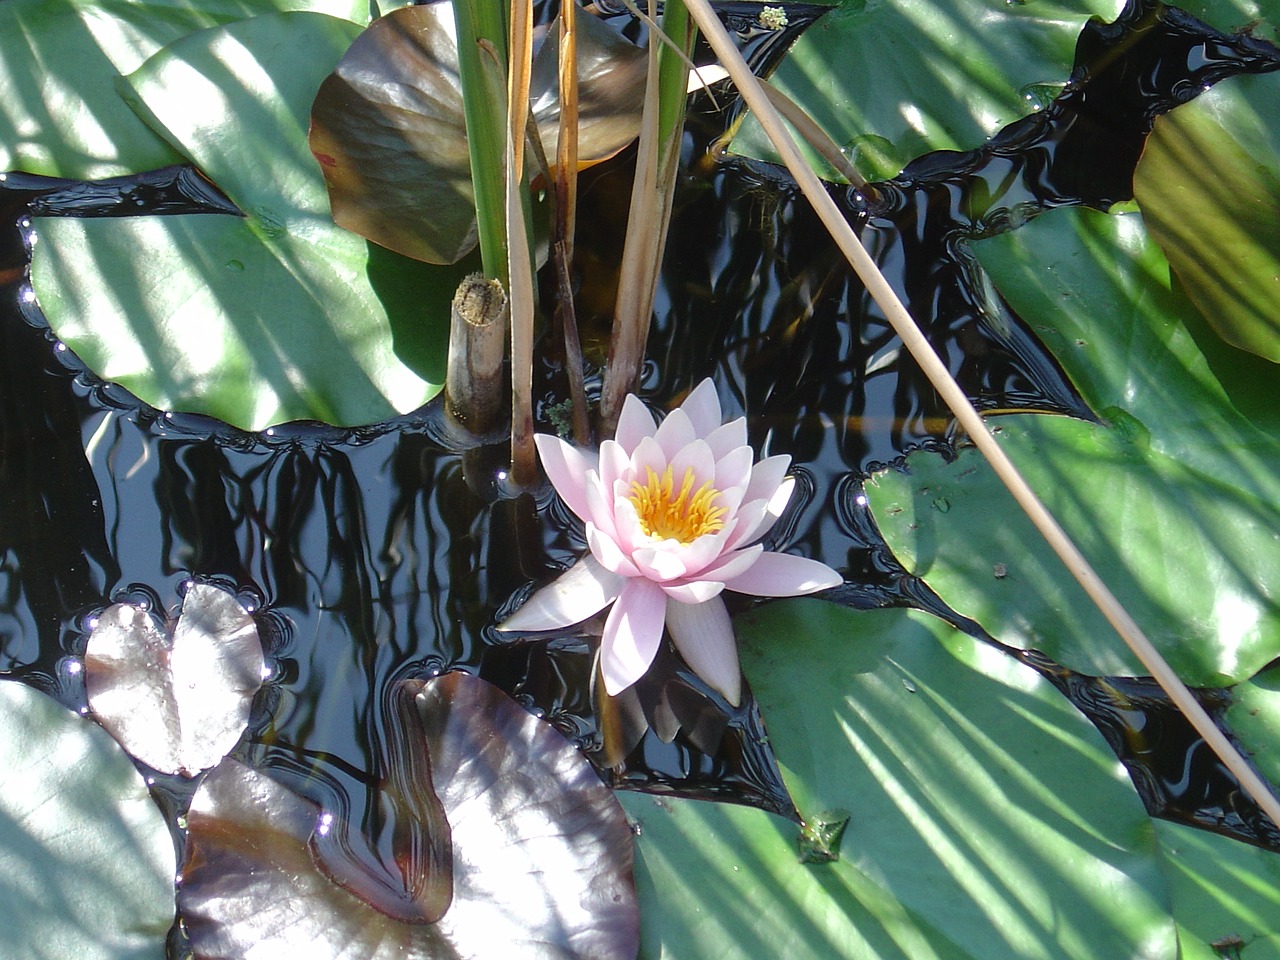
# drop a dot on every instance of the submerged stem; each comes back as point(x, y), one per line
point(968, 417)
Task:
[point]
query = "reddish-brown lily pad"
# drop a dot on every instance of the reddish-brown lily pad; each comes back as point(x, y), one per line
point(541, 850)
point(177, 699)
point(387, 126)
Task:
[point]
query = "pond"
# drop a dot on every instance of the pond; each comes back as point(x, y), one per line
point(373, 556)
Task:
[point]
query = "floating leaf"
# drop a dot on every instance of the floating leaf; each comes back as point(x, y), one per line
point(1201, 593)
point(892, 79)
point(1173, 500)
point(1225, 889)
point(250, 883)
point(1257, 17)
point(520, 795)
point(86, 861)
point(276, 316)
point(178, 703)
point(980, 798)
point(541, 852)
point(723, 881)
point(389, 133)
point(1225, 893)
point(1209, 188)
point(1254, 717)
point(60, 115)
point(988, 817)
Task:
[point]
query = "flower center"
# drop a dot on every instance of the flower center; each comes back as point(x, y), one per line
point(668, 513)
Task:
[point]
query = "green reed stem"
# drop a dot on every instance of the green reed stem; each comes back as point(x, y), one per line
point(484, 107)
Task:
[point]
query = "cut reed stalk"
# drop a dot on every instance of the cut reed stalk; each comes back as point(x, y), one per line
point(474, 391)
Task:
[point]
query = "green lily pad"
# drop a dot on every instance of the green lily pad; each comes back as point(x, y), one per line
point(1208, 185)
point(1097, 290)
point(280, 315)
point(1173, 499)
point(1257, 17)
point(892, 79)
point(1226, 894)
point(1187, 557)
point(1254, 717)
point(988, 817)
point(60, 114)
point(726, 882)
point(1235, 888)
point(86, 861)
point(980, 798)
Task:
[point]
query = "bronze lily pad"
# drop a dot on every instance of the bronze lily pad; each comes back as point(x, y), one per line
point(388, 131)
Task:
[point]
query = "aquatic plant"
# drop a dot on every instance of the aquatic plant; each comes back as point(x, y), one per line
point(981, 810)
point(674, 515)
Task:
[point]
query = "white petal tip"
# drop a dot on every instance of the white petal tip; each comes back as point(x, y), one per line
point(612, 688)
point(520, 622)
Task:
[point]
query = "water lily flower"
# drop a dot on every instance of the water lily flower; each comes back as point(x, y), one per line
point(673, 514)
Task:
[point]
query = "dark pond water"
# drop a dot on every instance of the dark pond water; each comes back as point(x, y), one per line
point(386, 553)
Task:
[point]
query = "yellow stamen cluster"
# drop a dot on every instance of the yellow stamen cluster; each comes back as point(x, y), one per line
point(670, 514)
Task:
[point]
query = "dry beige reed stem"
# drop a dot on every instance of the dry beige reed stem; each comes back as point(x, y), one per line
point(969, 418)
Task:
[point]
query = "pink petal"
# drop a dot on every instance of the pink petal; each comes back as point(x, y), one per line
point(727, 437)
point(734, 471)
point(693, 591)
point(705, 549)
point(566, 468)
point(608, 554)
point(634, 423)
point(583, 589)
point(783, 575)
point(731, 500)
point(731, 565)
point(658, 563)
point(773, 509)
point(695, 456)
point(600, 506)
point(613, 463)
point(750, 515)
point(627, 521)
point(675, 433)
point(781, 497)
point(704, 636)
point(767, 477)
point(632, 633)
point(702, 407)
point(648, 455)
